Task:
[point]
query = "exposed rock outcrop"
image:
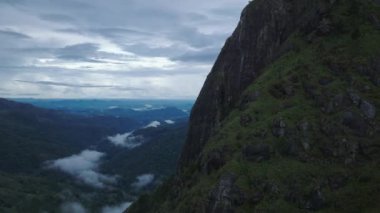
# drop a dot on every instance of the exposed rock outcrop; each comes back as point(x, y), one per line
point(259, 39)
point(225, 196)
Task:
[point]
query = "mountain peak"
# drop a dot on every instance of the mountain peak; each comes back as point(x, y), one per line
point(260, 37)
point(287, 119)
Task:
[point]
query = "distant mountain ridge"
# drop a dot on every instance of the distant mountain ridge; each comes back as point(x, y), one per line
point(25, 128)
point(52, 157)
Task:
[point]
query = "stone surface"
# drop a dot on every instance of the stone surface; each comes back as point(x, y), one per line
point(215, 160)
point(368, 109)
point(355, 122)
point(279, 127)
point(281, 91)
point(325, 81)
point(251, 97)
point(225, 196)
point(374, 20)
point(316, 201)
point(245, 120)
point(337, 181)
point(256, 153)
point(372, 70)
point(355, 98)
point(259, 39)
point(336, 104)
point(325, 27)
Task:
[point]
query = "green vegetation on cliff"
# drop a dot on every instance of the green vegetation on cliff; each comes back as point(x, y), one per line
point(304, 136)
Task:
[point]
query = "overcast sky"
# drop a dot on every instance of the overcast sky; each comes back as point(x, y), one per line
point(111, 48)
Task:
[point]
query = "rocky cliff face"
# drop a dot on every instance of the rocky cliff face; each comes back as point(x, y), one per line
point(259, 39)
point(288, 119)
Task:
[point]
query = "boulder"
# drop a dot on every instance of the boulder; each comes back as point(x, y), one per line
point(337, 181)
point(355, 98)
point(289, 148)
point(336, 68)
point(372, 70)
point(374, 20)
point(316, 201)
point(325, 81)
point(313, 200)
point(329, 127)
point(310, 90)
point(325, 27)
point(245, 120)
point(282, 90)
point(279, 127)
point(355, 122)
point(303, 126)
point(215, 160)
point(225, 197)
point(248, 98)
point(337, 103)
point(256, 153)
point(368, 109)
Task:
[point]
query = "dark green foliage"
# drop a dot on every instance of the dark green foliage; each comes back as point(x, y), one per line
point(30, 136)
point(158, 156)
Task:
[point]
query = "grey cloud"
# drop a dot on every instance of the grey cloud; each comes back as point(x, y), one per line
point(52, 83)
point(203, 56)
point(60, 84)
point(5, 94)
point(57, 18)
point(121, 88)
point(18, 95)
point(146, 49)
point(189, 33)
point(78, 51)
point(197, 57)
point(194, 16)
point(194, 38)
point(27, 94)
point(185, 39)
point(36, 50)
point(182, 71)
point(111, 31)
point(11, 1)
point(14, 34)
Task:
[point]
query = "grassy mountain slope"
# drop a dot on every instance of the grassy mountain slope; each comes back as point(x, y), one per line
point(304, 136)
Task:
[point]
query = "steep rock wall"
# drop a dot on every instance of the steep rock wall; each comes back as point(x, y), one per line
point(258, 40)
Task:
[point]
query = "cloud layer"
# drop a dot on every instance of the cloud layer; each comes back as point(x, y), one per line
point(116, 209)
point(73, 207)
point(169, 122)
point(142, 181)
point(84, 167)
point(127, 140)
point(115, 48)
point(153, 124)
